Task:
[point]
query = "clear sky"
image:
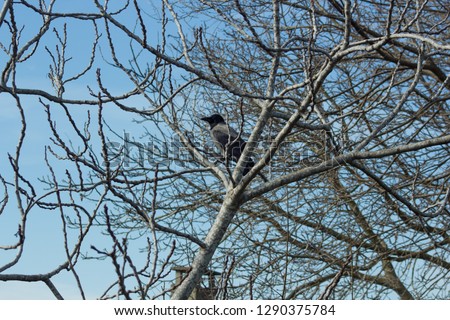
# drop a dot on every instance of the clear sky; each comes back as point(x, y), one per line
point(43, 250)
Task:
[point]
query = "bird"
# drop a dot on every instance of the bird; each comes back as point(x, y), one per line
point(227, 140)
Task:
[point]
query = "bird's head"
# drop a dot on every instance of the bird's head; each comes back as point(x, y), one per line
point(214, 119)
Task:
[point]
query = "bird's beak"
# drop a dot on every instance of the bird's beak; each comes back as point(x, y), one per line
point(207, 119)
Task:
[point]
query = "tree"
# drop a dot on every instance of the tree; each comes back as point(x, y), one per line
point(344, 105)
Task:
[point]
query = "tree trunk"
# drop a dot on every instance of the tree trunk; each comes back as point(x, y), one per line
point(214, 237)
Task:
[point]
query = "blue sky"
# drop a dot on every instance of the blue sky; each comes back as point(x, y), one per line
point(43, 250)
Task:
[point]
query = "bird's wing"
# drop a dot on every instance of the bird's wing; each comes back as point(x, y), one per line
point(225, 137)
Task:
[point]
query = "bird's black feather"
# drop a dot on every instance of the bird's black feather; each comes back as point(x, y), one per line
point(227, 140)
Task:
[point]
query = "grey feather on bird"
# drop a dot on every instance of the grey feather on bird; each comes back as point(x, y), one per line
point(228, 141)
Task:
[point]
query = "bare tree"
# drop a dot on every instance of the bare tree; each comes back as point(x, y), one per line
point(344, 106)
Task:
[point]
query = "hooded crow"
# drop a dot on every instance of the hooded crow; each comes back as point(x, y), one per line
point(227, 140)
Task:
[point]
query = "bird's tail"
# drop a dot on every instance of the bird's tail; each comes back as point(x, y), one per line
point(263, 177)
point(249, 166)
